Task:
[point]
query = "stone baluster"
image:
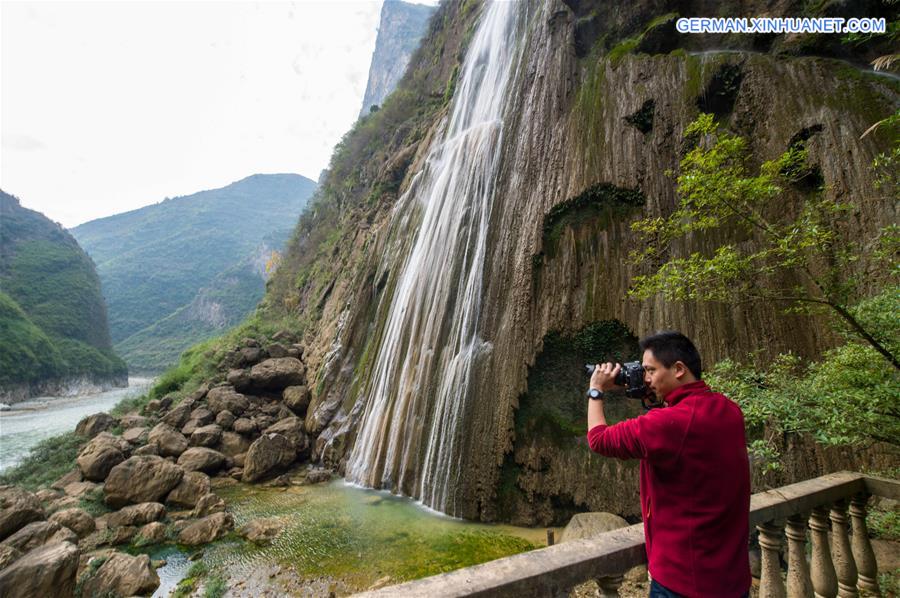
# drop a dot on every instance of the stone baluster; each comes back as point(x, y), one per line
point(844, 564)
point(770, 583)
point(609, 585)
point(799, 582)
point(823, 576)
point(862, 548)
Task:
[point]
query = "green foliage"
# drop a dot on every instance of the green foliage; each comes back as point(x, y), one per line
point(49, 460)
point(93, 503)
point(52, 316)
point(214, 587)
point(720, 197)
point(849, 397)
point(195, 575)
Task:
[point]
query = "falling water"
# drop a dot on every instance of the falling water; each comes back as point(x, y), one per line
point(409, 437)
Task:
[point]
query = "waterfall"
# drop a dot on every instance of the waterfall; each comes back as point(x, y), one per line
point(409, 438)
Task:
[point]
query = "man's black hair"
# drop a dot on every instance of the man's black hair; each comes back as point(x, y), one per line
point(670, 346)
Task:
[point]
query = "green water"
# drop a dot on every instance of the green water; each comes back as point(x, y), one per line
point(354, 535)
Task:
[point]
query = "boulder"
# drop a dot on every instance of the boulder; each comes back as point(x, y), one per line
point(276, 350)
point(92, 425)
point(144, 478)
point(47, 495)
point(77, 520)
point(245, 426)
point(296, 398)
point(588, 525)
point(264, 421)
point(18, 508)
point(139, 514)
point(152, 533)
point(318, 475)
point(66, 502)
point(192, 487)
point(207, 529)
point(120, 535)
point(239, 379)
point(150, 448)
point(136, 435)
point(225, 398)
point(178, 416)
point(200, 458)
point(207, 505)
point(202, 416)
point(159, 405)
point(292, 429)
point(73, 476)
point(225, 419)
point(189, 427)
point(80, 489)
point(232, 444)
point(46, 571)
point(121, 575)
point(134, 421)
point(251, 355)
point(240, 459)
point(261, 531)
point(278, 373)
point(199, 393)
point(207, 435)
point(268, 453)
point(8, 555)
point(170, 442)
point(38, 533)
point(100, 455)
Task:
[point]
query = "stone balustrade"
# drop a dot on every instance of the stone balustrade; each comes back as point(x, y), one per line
point(823, 509)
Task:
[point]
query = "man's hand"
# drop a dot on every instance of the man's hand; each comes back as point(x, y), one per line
point(604, 376)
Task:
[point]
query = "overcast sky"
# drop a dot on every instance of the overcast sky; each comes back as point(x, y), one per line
point(109, 106)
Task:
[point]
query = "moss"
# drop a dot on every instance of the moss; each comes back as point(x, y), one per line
point(601, 202)
point(554, 406)
point(93, 503)
point(214, 587)
point(195, 575)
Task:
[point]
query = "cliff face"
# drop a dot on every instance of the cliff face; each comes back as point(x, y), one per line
point(54, 336)
point(592, 129)
point(400, 30)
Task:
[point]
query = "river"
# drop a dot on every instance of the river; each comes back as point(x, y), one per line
point(27, 423)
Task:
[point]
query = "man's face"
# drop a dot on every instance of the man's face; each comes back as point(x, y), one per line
point(661, 379)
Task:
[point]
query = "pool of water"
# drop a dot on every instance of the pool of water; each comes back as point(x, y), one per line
point(353, 535)
point(27, 423)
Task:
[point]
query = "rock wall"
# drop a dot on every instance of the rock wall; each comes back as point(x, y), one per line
point(594, 127)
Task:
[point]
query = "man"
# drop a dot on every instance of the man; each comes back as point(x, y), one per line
point(694, 474)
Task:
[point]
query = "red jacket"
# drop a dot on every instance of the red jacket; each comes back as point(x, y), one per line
point(695, 489)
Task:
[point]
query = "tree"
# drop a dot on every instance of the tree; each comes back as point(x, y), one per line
point(769, 242)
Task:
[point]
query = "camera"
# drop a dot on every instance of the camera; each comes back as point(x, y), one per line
point(631, 376)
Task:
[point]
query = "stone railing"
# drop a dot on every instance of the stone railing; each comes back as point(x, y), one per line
point(840, 569)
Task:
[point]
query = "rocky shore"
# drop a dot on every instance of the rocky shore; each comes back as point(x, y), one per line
point(69, 387)
point(149, 477)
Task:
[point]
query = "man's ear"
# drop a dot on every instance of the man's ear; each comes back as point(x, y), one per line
point(680, 369)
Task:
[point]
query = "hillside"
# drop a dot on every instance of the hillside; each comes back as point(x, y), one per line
point(157, 261)
point(53, 328)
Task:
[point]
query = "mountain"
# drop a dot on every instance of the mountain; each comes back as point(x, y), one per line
point(459, 264)
point(400, 30)
point(54, 335)
point(180, 260)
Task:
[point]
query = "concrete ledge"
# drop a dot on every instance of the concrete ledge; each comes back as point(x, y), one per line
point(554, 570)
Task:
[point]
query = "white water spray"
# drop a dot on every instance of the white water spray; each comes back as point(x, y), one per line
point(409, 436)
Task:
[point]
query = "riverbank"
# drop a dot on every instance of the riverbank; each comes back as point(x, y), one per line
point(29, 422)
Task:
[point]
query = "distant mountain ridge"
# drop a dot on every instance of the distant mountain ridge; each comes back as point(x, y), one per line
point(400, 30)
point(54, 335)
point(158, 260)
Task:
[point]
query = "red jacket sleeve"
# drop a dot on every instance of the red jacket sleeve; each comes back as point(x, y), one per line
point(657, 436)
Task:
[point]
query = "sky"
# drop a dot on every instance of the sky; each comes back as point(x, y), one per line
point(109, 106)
